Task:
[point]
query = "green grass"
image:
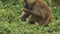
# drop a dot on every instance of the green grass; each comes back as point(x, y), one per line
point(10, 22)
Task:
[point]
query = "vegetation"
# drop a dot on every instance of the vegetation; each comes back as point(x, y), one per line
point(10, 23)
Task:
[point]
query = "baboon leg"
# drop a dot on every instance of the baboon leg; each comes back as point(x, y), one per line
point(44, 22)
point(47, 20)
point(24, 16)
point(41, 21)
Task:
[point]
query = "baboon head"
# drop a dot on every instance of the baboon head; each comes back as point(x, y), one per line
point(29, 4)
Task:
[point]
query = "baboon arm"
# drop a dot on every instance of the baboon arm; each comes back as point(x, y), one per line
point(31, 12)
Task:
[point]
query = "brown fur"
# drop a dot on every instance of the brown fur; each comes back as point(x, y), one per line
point(40, 12)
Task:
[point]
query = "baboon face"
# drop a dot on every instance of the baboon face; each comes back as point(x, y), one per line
point(29, 4)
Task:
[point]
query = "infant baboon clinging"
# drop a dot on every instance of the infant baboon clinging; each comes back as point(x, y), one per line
point(39, 10)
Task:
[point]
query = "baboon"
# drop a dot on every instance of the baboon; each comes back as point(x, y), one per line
point(39, 10)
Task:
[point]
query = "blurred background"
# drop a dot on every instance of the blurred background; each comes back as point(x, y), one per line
point(10, 23)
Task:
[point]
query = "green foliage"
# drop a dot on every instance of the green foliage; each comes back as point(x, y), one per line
point(10, 23)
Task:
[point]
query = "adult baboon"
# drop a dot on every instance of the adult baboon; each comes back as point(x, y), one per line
point(39, 10)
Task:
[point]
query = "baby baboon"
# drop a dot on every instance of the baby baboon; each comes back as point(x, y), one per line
point(39, 10)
